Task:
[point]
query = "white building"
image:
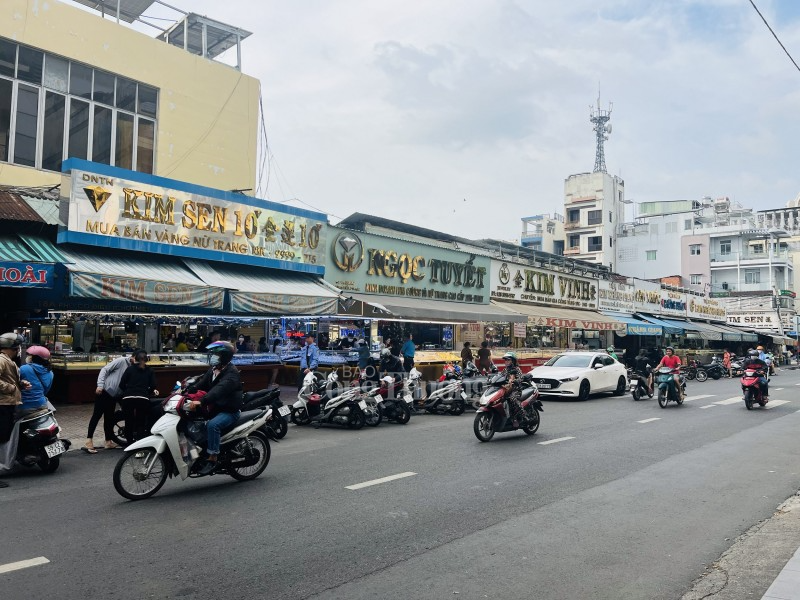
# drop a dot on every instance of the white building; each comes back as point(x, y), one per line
point(544, 233)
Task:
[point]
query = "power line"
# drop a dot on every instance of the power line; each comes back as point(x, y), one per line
point(775, 36)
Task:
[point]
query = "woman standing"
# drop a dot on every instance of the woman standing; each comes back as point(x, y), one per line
point(485, 357)
point(466, 355)
point(137, 386)
point(37, 372)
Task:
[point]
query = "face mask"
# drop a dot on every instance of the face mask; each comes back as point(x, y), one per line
point(213, 360)
point(29, 359)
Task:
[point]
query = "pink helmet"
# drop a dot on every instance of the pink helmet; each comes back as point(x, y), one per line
point(39, 351)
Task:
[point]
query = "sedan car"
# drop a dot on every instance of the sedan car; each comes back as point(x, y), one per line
point(578, 374)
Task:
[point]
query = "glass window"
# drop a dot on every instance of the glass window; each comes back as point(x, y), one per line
point(694, 249)
point(123, 154)
point(78, 146)
point(29, 65)
point(595, 217)
point(696, 279)
point(144, 146)
point(8, 58)
point(752, 276)
point(574, 241)
point(651, 254)
point(80, 81)
point(569, 361)
point(610, 217)
point(103, 87)
point(687, 224)
point(595, 243)
point(671, 227)
point(6, 88)
point(56, 73)
point(26, 127)
point(725, 247)
point(126, 94)
point(101, 135)
point(148, 100)
point(757, 248)
point(53, 137)
point(573, 215)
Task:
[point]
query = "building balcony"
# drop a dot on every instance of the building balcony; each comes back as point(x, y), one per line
point(749, 258)
point(572, 251)
point(570, 225)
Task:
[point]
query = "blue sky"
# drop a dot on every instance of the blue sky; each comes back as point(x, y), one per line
point(466, 115)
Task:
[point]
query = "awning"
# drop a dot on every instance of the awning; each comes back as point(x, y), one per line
point(727, 334)
point(11, 248)
point(151, 280)
point(44, 249)
point(667, 326)
point(424, 309)
point(554, 316)
point(635, 326)
point(747, 336)
point(258, 290)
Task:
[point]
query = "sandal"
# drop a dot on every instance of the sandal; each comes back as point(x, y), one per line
point(88, 447)
point(112, 445)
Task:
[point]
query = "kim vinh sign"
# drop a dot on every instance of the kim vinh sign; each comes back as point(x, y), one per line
point(115, 208)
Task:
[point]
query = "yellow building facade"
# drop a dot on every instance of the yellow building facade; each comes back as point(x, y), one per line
point(73, 84)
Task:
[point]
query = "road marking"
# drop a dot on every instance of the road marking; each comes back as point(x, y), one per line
point(563, 439)
point(774, 403)
point(777, 389)
point(358, 486)
point(733, 400)
point(23, 564)
point(700, 397)
point(650, 420)
point(708, 406)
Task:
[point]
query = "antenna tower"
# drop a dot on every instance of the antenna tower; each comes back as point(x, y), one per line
point(600, 118)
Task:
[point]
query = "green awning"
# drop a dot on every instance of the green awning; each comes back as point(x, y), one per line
point(11, 248)
point(44, 249)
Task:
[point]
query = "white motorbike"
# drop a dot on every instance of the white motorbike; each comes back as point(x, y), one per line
point(322, 401)
point(449, 398)
point(176, 444)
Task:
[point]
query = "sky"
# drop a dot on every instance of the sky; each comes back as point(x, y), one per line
point(466, 115)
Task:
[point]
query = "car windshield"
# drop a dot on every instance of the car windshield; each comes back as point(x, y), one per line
point(570, 360)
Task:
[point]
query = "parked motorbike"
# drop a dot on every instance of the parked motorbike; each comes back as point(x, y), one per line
point(690, 369)
point(666, 387)
point(321, 401)
point(38, 443)
point(714, 369)
point(494, 413)
point(751, 388)
point(176, 448)
point(278, 412)
point(737, 367)
point(449, 397)
point(394, 398)
point(638, 384)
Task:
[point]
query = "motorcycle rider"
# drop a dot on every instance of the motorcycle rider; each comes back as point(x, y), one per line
point(223, 398)
point(754, 361)
point(612, 353)
point(514, 387)
point(642, 367)
point(11, 385)
point(673, 362)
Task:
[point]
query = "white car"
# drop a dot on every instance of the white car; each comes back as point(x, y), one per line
point(578, 374)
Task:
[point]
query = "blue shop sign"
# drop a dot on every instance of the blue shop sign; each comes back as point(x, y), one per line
point(644, 329)
point(24, 274)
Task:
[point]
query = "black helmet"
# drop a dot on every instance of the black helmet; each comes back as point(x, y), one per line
point(670, 348)
point(753, 353)
point(224, 350)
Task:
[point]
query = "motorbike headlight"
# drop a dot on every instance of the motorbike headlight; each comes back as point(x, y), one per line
point(566, 379)
point(484, 401)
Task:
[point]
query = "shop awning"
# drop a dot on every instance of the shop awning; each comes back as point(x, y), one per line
point(12, 248)
point(151, 280)
point(570, 318)
point(746, 336)
point(423, 309)
point(44, 249)
point(667, 327)
point(634, 326)
point(694, 329)
point(257, 290)
point(727, 334)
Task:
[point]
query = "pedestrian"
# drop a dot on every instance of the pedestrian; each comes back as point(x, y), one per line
point(137, 386)
point(262, 344)
point(466, 355)
point(485, 357)
point(38, 373)
point(364, 356)
point(241, 343)
point(408, 350)
point(396, 348)
point(726, 362)
point(309, 360)
point(105, 401)
point(180, 343)
point(11, 384)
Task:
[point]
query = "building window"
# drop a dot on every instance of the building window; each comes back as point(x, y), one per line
point(610, 242)
point(595, 243)
point(757, 248)
point(654, 229)
point(687, 224)
point(696, 279)
point(610, 217)
point(671, 227)
point(694, 249)
point(52, 108)
point(752, 276)
point(574, 241)
point(573, 215)
point(651, 254)
point(595, 217)
point(725, 247)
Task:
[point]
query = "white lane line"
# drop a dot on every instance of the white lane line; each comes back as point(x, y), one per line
point(708, 406)
point(563, 439)
point(358, 486)
point(700, 397)
point(23, 564)
point(650, 420)
point(730, 400)
point(774, 403)
point(777, 389)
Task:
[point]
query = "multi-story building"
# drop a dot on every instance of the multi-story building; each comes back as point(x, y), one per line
point(544, 233)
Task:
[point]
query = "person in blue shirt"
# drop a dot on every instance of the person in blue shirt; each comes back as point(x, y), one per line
point(407, 351)
point(309, 359)
point(37, 372)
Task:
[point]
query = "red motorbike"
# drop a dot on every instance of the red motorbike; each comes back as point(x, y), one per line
point(751, 388)
point(494, 413)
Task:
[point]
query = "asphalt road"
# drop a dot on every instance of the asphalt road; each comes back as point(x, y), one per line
point(621, 509)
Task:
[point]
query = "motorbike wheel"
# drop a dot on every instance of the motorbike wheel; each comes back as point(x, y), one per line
point(716, 375)
point(533, 422)
point(279, 427)
point(300, 416)
point(748, 399)
point(483, 426)
point(129, 479)
point(255, 442)
point(701, 375)
point(49, 465)
point(374, 415)
point(404, 416)
point(458, 408)
point(356, 418)
point(119, 429)
point(636, 395)
point(662, 398)
point(690, 374)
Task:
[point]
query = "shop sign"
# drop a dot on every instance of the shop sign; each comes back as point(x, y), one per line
point(520, 283)
point(701, 307)
point(615, 296)
point(472, 333)
point(760, 321)
point(22, 274)
point(371, 264)
point(283, 304)
point(644, 329)
point(586, 324)
point(520, 330)
point(128, 289)
point(673, 303)
point(116, 208)
point(647, 297)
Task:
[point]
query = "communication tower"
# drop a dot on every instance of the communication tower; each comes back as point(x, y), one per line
point(602, 128)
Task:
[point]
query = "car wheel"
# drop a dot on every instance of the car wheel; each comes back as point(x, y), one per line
point(622, 386)
point(584, 390)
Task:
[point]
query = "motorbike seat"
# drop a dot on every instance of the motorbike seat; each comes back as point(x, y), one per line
point(244, 417)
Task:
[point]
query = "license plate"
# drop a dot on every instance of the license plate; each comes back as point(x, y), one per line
point(463, 395)
point(55, 449)
point(378, 398)
point(362, 405)
point(543, 386)
point(284, 410)
point(408, 398)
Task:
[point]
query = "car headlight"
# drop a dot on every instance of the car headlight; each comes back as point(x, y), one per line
point(569, 379)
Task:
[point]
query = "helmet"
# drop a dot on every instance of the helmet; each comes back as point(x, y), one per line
point(510, 356)
point(224, 350)
point(39, 351)
point(610, 349)
point(670, 348)
point(753, 353)
point(10, 340)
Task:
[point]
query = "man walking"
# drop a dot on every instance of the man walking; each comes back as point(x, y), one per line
point(408, 351)
point(309, 360)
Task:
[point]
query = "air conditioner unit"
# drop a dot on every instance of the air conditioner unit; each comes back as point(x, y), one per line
point(724, 286)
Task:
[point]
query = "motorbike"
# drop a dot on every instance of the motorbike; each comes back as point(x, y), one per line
point(175, 448)
point(394, 398)
point(751, 388)
point(494, 413)
point(638, 384)
point(448, 397)
point(690, 369)
point(321, 401)
point(38, 443)
point(666, 386)
point(276, 417)
point(737, 367)
point(714, 369)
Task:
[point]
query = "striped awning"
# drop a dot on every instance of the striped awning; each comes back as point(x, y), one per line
point(12, 248)
point(44, 249)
